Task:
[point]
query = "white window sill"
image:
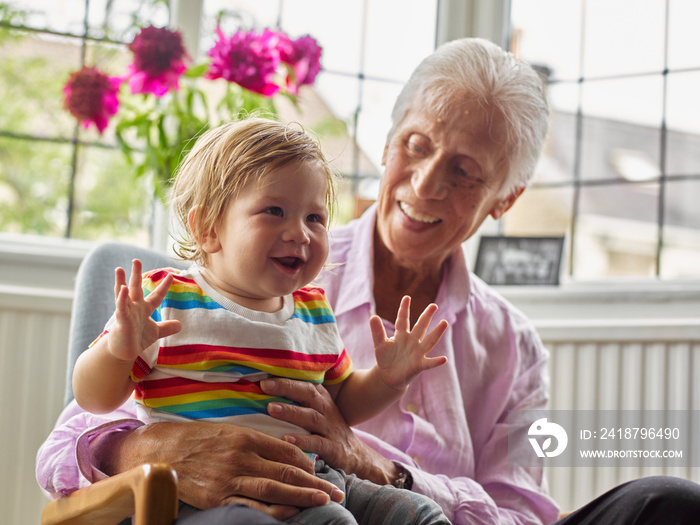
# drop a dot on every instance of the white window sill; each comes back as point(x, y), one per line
point(619, 299)
point(51, 264)
point(40, 262)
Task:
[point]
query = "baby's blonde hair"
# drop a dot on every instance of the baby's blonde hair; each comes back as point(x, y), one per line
point(224, 159)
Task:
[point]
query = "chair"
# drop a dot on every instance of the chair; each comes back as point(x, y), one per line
point(148, 492)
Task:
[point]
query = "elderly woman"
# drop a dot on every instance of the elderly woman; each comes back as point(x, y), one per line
point(467, 131)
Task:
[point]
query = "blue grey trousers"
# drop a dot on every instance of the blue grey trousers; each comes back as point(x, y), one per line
point(369, 504)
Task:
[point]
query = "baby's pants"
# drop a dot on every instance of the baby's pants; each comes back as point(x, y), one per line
point(369, 504)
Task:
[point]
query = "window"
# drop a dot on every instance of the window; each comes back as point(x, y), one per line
point(57, 179)
point(621, 171)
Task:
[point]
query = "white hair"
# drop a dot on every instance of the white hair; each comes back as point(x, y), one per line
point(474, 68)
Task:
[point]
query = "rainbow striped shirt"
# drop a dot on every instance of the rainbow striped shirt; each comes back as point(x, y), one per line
point(211, 369)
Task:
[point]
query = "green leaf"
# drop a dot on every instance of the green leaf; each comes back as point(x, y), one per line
point(196, 71)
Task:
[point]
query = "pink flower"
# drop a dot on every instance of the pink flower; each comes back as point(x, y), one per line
point(91, 97)
point(304, 56)
point(247, 58)
point(159, 56)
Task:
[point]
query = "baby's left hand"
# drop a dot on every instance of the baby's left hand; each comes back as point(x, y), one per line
point(402, 358)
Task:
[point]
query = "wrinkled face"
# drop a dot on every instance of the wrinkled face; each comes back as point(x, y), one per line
point(442, 179)
point(272, 238)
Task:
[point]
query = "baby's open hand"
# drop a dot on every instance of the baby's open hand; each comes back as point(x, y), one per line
point(402, 358)
point(134, 329)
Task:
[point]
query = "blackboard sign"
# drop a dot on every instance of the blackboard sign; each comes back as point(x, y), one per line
point(519, 260)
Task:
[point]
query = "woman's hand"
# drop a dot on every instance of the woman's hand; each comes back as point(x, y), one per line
point(331, 437)
point(220, 464)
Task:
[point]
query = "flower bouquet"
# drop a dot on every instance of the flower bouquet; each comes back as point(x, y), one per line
point(160, 105)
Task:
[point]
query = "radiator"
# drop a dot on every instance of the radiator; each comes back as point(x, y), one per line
point(619, 365)
point(33, 342)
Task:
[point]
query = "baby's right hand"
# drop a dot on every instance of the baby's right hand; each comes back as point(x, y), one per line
point(134, 330)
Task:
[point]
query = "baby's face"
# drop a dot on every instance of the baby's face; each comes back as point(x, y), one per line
point(272, 238)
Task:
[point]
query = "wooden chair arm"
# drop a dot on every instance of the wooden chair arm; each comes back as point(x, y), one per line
point(149, 492)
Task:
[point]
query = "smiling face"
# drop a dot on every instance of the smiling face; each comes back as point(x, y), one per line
point(272, 238)
point(443, 177)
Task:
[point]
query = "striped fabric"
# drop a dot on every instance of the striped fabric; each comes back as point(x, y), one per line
point(211, 369)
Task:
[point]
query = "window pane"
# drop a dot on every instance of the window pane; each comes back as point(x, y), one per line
point(560, 150)
point(637, 99)
point(33, 70)
point(52, 15)
point(683, 48)
point(375, 118)
point(396, 44)
point(624, 36)
point(540, 212)
point(682, 101)
point(681, 207)
point(340, 93)
point(683, 154)
point(352, 200)
point(123, 212)
point(34, 180)
point(336, 25)
point(682, 111)
point(548, 33)
point(621, 135)
point(564, 96)
point(246, 14)
point(617, 150)
point(616, 231)
point(680, 255)
point(120, 20)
